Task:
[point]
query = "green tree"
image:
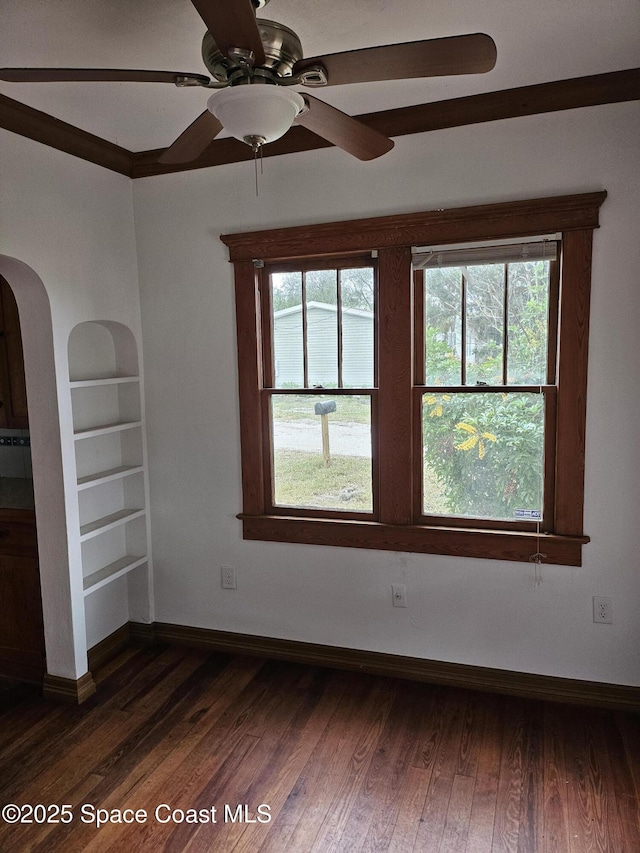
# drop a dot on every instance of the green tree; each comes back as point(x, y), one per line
point(322, 286)
point(486, 449)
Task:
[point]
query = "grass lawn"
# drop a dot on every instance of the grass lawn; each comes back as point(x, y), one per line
point(302, 480)
point(292, 407)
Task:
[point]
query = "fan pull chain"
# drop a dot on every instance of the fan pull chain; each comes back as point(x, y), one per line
point(257, 147)
point(255, 167)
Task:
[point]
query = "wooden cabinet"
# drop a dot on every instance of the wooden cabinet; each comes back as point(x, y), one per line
point(22, 653)
point(13, 393)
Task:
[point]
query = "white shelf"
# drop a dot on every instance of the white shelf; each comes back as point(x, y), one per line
point(107, 380)
point(108, 522)
point(105, 429)
point(107, 476)
point(109, 573)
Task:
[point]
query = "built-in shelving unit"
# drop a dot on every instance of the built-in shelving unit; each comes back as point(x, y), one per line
point(111, 572)
point(109, 445)
point(108, 522)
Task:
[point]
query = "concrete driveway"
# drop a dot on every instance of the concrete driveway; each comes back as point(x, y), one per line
point(344, 439)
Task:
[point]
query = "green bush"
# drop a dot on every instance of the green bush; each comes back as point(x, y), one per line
point(485, 450)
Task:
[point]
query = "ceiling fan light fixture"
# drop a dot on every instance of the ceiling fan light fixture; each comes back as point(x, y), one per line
point(250, 112)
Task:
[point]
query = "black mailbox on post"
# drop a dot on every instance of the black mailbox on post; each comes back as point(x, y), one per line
point(325, 408)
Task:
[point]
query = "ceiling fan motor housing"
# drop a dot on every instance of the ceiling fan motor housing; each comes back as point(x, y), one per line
point(282, 49)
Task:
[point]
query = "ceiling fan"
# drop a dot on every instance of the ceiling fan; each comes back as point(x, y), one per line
point(256, 62)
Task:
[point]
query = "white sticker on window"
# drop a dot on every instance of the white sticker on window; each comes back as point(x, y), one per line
point(532, 514)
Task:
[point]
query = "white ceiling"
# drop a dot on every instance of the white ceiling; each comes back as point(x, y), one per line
point(537, 41)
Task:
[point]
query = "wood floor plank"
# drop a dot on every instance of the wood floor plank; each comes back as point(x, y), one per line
point(627, 766)
point(555, 826)
point(532, 810)
point(511, 778)
point(302, 814)
point(379, 801)
point(30, 759)
point(456, 827)
point(145, 779)
point(485, 793)
point(409, 817)
point(588, 794)
point(205, 766)
point(347, 763)
point(281, 765)
point(329, 837)
point(114, 734)
point(604, 749)
point(36, 837)
point(449, 720)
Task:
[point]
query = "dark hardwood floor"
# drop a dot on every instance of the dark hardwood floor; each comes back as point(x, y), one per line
point(339, 761)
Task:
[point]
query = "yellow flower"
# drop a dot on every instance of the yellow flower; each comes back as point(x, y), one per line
point(436, 404)
point(475, 438)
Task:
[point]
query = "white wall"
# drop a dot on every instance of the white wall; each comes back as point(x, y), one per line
point(72, 223)
point(479, 612)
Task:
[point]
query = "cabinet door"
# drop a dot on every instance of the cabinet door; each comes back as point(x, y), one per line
point(13, 392)
point(21, 629)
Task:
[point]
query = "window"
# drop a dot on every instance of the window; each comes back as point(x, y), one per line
point(319, 385)
point(418, 399)
point(485, 345)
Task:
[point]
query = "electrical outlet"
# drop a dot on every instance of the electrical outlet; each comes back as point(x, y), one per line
point(399, 594)
point(602, 609)
point(228, 577)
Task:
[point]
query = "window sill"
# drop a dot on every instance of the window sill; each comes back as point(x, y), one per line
point(456, 542)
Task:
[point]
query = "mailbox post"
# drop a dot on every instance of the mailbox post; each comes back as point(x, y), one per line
point(324, 409)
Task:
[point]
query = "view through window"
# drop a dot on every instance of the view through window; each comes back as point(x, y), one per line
point(488, 372)
point(323, 344)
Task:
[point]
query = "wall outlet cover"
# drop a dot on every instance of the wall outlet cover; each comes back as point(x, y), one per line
point(602, 609)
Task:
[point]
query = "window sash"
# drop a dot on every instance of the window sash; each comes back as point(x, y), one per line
point(419, 284)
point(311, 265)
point(268, 468)
point(546, 524)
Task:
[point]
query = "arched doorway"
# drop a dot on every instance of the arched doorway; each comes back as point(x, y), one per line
point(62, 602)
point(22, 651)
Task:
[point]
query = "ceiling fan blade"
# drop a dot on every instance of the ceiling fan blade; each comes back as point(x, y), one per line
point(469, 54)
point(343, 130)
point(232, 23)
point(192, 141)
point(90, 75)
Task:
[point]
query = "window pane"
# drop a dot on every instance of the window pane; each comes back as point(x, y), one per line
point(443, 325)
point(286, 301)
point(357, 327)
point(322, 327)
point(483, 455)
point(485, 323)
point(322, 461)
point(528, 324)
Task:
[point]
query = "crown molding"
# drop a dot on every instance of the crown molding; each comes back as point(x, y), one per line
point(574, 93)
point(42, 127)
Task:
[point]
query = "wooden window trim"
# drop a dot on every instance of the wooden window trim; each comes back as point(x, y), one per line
point(574, 217)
